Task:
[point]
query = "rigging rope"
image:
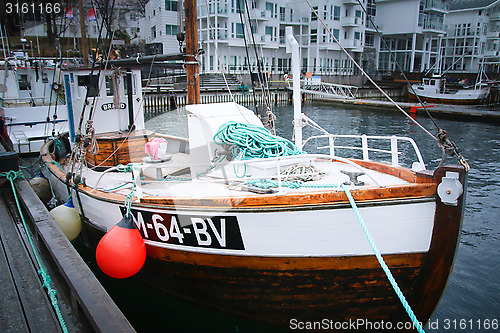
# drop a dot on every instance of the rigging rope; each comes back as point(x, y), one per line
point(42, 271)
point(442, 138)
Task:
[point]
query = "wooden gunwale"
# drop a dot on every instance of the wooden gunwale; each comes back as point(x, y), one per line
point(267, 201)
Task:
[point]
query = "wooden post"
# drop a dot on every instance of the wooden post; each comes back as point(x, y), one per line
point(83, 29)
point(192, 70)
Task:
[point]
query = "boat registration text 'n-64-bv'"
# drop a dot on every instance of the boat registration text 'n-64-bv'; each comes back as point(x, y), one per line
point(217, 232)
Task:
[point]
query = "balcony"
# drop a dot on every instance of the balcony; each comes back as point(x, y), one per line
point(494, 16)
point(370, 28)
point(354, 45)
point(259, 14)
point(433, 27)
point(350, 2)
point(350, 21)
point(436, 7)
point(492, 34)
point(491, 53)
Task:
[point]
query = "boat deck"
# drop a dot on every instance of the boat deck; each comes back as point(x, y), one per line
point(233, 180)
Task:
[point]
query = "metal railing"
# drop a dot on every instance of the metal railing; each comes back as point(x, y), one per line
point(329, 89)
point(364, 147)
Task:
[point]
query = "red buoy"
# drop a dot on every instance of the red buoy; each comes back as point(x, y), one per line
point(121, 252)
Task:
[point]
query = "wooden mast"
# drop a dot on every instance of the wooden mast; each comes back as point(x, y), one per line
point(83, 29)
point(192, 69)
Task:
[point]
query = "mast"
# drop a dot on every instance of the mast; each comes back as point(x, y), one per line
point(192, 69)
point(83, 29)
point(292, 46)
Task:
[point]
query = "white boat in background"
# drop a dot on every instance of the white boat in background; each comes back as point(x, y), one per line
point(435, 90)
point(31, 96)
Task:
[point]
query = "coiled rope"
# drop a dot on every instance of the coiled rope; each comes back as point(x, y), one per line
point(47, 283)
point(251, 141)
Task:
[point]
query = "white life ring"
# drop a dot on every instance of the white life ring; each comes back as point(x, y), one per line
point(286, 77)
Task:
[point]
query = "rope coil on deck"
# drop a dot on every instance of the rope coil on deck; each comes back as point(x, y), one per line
point(42, 271)
point(251, 141)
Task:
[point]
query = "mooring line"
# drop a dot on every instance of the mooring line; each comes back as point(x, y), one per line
point(42, 271)
point(382, 263)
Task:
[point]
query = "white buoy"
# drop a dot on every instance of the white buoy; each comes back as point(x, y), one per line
point(41, 186)
point(68, 219)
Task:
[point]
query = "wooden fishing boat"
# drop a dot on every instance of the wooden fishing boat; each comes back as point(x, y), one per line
point(255, 237)
point(434, 90)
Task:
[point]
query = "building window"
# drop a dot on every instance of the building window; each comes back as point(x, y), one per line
point(134, 31)
point(336, 13)
point(171, 5)
point(109, 86)
point(314, 36)
point(171, 29)
point(153, 32)
point(270, 7)
point(313, 15)
point(282, 14)
point(269, 32)
point(357, 35)
point(336, 33)
point(239, 30)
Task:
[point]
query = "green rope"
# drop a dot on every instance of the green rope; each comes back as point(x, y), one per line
point(268, 183)
point(251, 141)
point(130, 197)
point(382, 263)
point(11, 176)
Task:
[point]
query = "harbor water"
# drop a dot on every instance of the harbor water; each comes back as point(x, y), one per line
point(471, 301)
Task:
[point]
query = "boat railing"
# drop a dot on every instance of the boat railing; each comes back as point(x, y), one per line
point(19, 100)
point(364, 147)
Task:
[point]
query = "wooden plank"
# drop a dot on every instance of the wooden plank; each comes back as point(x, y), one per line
point(36, 311)
point(99, 308)
point(11, 311)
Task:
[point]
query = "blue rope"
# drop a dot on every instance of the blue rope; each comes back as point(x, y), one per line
point(382, 263)
point(11, 176)
point(251, 141)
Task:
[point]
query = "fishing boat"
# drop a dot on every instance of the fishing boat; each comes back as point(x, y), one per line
point(30, 91)
point(239, 220)
point(435, 90)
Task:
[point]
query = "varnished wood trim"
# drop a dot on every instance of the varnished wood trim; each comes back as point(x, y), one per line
point(284, 263)
point(439, 261)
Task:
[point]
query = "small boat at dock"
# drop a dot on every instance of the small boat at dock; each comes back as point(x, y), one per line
point(434, 90)
point(240, 220)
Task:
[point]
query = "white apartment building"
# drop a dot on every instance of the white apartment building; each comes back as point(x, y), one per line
point(412, 31)
point(473, 35)
point(223, 30)
point(421, 35)
point(161, 24)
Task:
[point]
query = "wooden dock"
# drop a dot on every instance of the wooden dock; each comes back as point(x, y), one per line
point(463, 112)
point(24, 303)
